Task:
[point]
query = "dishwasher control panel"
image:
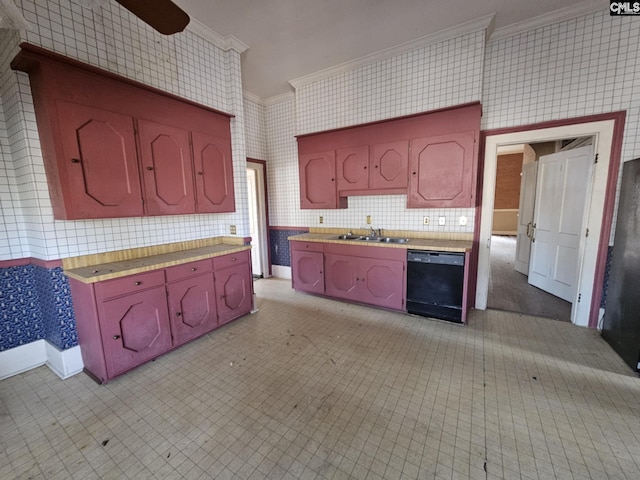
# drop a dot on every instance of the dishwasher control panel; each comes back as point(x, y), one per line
point(441, 258)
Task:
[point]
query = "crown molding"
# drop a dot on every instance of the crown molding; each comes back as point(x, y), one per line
point(234, 43)
point(226, 43)
point(566, 13)
point(283, 97)
point(478, 24)
point(252, 97)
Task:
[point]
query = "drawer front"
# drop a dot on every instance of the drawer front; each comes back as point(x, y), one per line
point(307, 246)
point(188, 270)
point(231, 259)
point(129, 284)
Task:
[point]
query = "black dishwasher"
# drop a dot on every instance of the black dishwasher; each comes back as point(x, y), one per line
point(435, 282)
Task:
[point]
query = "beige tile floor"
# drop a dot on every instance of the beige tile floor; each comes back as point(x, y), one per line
point(313, 388)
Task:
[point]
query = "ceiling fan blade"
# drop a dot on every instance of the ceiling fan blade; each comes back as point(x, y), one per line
point(163, 15)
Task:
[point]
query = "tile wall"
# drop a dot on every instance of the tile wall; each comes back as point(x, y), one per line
point(111, 38)
point(255, 129)
point(435, 76)
point(583, 66)
point(443, 74)
point(108, 37)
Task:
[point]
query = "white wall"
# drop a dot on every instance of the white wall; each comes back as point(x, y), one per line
point(110, 38)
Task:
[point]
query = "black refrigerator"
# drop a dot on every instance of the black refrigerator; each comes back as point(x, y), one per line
point(621, 324)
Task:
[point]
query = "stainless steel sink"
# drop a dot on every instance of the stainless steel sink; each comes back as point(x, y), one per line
point(364, 238)
point(394, 240)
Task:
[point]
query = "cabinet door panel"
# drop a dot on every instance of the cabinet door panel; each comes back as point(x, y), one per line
point(214, 174)
point(341, 279)
point(390, 162)
point(99, 162)
point(382, 282)
point(166, 169)
point(192, 308)
point(307, 271)
point(234, 291)
point(318, 180)
point(352, 168)
point(442, 171)
point(135, 328)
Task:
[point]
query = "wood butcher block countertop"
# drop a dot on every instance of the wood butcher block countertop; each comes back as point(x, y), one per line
point(106, 266)
point(442, 242)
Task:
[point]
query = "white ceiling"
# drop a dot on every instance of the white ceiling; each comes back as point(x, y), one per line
point(291, 38)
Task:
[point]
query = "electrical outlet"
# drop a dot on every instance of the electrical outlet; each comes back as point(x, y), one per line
point(321, 219)
point(368, 219)
point(463, 220)
point(442, 221)
point(232, 229)
point(425, 220)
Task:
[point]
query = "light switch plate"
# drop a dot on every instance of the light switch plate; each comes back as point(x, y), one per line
point(463, 220)
point(442, 220)
point(232, 229)
point(425, 220)
point(368, 219)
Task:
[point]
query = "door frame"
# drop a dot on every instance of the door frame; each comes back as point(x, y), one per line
point(263, 212)
point(607, 130)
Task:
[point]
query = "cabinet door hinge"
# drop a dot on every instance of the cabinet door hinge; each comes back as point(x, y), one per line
point(596, 159)
point(587, 233)
point(579, 297)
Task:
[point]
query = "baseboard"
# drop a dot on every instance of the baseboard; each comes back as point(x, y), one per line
point(20, 359)
point(279, 271)
point(63, 363)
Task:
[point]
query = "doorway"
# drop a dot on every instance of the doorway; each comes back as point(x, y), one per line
point(592, 249)
point(258, 219)
point(539, 207)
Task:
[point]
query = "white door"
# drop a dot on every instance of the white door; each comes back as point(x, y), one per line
point(563, 185)
point(254, 229)
point(525, 216)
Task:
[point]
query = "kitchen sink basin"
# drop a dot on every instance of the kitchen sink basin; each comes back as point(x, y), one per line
point(394, 240)
point(364, 238)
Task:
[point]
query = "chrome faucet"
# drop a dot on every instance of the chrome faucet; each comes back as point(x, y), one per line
point(374, 234)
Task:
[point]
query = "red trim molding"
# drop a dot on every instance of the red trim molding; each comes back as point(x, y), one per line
point(20, 262)
point(301, 229)
point(610, 193)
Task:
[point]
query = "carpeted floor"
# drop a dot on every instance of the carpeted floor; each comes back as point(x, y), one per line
point(509, 290)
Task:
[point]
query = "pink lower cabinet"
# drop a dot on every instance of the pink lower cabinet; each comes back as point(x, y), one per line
point(307, 262)
point(363, 274)
point(127, 321)
point(234, 285)
point(135, 328)
point(192, 300)
point(375, 281)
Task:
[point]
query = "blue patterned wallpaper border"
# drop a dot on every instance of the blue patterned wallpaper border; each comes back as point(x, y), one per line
point(280, 254)
point(35, 304)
